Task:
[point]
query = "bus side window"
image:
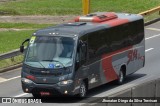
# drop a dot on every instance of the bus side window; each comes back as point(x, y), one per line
point(81, 53)
point(77, 57)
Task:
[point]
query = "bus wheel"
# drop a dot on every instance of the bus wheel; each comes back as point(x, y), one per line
point(82, 90)
point(35, 95)
point(121, 77)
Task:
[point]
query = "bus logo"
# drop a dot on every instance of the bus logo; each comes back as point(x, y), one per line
point(44, 80)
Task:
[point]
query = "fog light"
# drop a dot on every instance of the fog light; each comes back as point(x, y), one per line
point(27, 90)
point(65, 92)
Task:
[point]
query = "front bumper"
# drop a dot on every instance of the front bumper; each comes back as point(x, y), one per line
point(53, 89)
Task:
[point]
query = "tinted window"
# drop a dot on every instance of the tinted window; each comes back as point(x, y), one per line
point(82, 52)
point(115, 38)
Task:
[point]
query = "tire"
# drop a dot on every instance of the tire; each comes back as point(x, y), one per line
point(121, 77)
point(82, 90)
point(35, 95)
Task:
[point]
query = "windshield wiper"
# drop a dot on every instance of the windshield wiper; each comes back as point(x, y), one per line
point(56, 61)
point(42, 65)
point(39, 63)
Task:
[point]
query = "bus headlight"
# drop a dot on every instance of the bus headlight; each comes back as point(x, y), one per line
point(25, 80)
point(66, 82)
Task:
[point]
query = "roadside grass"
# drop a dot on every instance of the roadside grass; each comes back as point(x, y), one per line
point(11, 61)
point(23, 25)
point(152, 16)
point(68, 7)
point(10, 40)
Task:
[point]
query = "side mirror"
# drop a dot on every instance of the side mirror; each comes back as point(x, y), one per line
point(21, 48)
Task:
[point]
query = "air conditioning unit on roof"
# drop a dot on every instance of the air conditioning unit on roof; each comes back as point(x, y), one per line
point(97, 18)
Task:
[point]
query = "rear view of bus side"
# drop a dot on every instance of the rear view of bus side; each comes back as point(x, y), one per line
point(107, 46)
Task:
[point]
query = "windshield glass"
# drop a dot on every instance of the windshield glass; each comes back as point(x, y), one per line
point(50, 51)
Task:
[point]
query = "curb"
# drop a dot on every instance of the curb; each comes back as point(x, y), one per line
point(151, 22)
point(10, 68)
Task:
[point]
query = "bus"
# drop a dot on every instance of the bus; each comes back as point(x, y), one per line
point(71, 58)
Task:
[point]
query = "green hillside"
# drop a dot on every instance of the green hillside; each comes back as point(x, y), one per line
point(64, 7)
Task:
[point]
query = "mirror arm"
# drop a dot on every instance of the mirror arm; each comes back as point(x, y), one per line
point(27, 40)
point(22, 46)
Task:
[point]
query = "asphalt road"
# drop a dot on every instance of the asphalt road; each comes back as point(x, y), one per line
point(10, 85)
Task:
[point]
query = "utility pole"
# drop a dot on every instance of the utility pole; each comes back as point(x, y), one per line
point(86, 6)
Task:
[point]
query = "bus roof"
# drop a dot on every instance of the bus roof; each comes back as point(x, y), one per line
point(81, 28)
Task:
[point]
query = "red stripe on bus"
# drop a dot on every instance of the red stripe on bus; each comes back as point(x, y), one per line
point(107, 66)
point(116, 22)
point(77, 19)
point(104, 17)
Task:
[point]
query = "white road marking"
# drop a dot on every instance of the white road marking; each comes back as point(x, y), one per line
point(13, 78)
point(2, 79)
point(5, 80)
point(149, 49)
point(20, 95)
point(152, 37)
point(127, 86)
point(154, 29)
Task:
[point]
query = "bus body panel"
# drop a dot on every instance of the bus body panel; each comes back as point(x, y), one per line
point(106, 68)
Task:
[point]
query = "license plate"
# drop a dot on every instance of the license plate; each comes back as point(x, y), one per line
point(45, 93)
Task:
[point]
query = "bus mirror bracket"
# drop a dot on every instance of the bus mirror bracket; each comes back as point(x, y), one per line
point(22, 46)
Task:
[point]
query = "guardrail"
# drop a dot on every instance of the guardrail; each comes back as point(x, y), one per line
point(10, 54)
point(151, 11)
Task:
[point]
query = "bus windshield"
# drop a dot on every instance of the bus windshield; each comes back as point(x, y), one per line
point(46, 51)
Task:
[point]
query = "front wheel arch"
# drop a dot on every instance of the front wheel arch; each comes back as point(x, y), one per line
point(121, 75)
